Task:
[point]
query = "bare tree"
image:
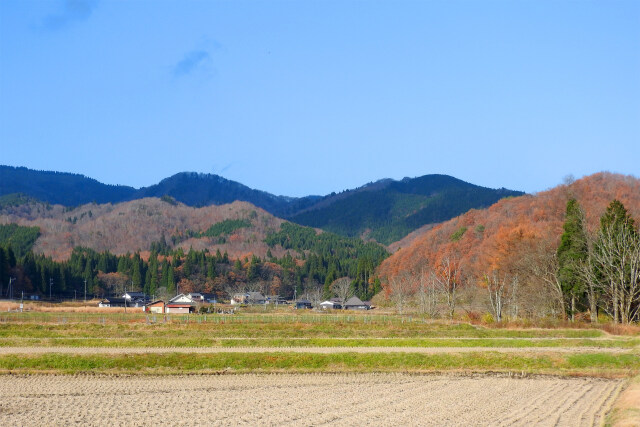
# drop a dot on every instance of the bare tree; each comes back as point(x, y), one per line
point(617, 257)
point(448, 278)
point(543, 263)
point(343, 289)
point(315, 296)
point(401, 288)
point(498, 295)
point(588, 272)
point(427, 293)
point(502, 293)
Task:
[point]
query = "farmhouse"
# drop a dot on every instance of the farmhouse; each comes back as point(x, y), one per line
point(302, 304)
point(114, 302)
point(134, 296)
point(155, 307)
point(179, 308)
point(333, 303)
point(202, 297)
point(355, 303)
point(182, 299)
point(248, 298)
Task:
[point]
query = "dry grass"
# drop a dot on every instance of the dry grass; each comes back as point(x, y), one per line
point(65, 307)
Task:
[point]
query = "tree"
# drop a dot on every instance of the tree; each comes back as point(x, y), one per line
point(401, 288)
point(501, 290)
point(342, 289)
point(448, 278)
point(427, 293)
point(617, 260)
point(171, 281)
point(572, 252)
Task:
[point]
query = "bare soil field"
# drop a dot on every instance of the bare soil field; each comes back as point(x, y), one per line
point(289, 399)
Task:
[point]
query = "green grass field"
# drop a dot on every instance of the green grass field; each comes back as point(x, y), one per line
point(561, 348)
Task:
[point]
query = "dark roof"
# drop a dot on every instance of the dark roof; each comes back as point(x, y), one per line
point(115, 300)
point(303, 301)
point(155, 302)
point(354, 301)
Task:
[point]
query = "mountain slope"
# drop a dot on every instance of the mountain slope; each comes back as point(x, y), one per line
point(136, 225)
point(389, 210)
point(60, 188)
point(198, 189)
point(513, 232)
point(385, 210)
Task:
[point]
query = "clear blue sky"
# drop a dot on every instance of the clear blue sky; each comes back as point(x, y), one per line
point(309, 97)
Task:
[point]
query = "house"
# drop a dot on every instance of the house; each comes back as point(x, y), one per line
point(355, 303)
point(132, 296)
point(203, 298)
point(114, 302)
point(179, 308)
point(333, 303)
point(155, 307)
point(182, 299)
point(302, 304)
point(248, 298)
point(276, 299)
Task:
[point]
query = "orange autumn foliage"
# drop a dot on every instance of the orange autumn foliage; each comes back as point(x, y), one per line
point(499, 237)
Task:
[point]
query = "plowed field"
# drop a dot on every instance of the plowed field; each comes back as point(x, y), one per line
point(289, 399)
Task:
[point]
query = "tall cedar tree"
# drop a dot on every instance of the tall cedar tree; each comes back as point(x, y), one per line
point(573, 251)
point(616, 216)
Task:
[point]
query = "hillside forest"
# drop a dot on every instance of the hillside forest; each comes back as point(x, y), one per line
point(571, 252)
point(311, 263)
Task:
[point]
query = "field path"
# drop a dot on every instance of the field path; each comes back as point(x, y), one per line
point(316, 399)
point(321, 350)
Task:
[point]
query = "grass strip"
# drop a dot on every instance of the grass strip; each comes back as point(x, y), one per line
point(183, 363)
point(202, 341)
point(279, 330)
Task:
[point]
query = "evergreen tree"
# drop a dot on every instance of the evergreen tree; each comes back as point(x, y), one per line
point(171, 282)
point(136, 276)
point(573, 251)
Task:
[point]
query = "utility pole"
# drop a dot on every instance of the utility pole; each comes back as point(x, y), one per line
point(11, 280)
point(50, 286)
point(85, 291)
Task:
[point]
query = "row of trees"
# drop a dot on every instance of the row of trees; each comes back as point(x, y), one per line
point(600, 270)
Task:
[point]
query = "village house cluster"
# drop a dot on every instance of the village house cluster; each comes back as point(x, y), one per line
point(192, 302)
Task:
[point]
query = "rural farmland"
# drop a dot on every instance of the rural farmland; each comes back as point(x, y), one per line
point(283, 368)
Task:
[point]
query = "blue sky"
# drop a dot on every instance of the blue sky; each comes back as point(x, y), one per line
point(310, 97)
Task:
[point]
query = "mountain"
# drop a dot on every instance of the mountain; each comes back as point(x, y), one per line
point(199, 189)
point(385, 210)
point(62, 188)
point(515, 235)
point(238, 228)
point(388, 210)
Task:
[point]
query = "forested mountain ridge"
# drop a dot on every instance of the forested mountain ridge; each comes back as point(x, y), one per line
point(62, 188)
point(385, 210)
point(388, 210)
